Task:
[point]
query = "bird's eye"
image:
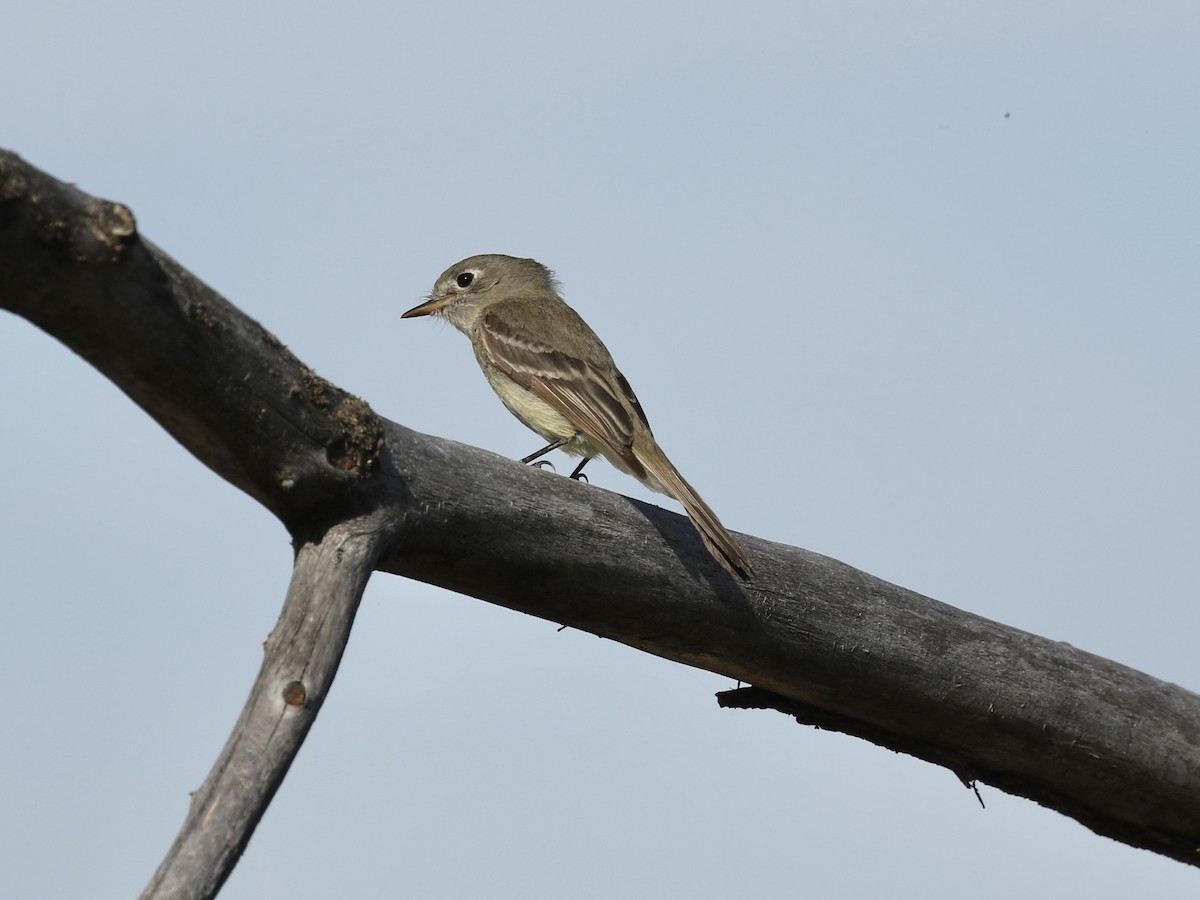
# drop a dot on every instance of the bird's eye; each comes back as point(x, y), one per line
point(465, 279)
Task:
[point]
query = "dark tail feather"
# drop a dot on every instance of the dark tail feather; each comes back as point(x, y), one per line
point(719, 542)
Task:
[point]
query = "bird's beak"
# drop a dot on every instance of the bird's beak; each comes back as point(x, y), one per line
point(429, 307)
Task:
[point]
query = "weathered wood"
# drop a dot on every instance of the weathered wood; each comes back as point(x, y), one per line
point(302, 656)
point(1114, 748)
point(214, 378)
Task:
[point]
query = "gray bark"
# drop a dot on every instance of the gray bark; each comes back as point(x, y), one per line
point(833, 646)
point(301, 659)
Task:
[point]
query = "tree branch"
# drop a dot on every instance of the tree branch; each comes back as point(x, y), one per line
point(1114, 748)
point(302, 657)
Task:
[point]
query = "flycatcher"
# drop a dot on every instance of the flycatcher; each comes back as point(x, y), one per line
point(554, 374)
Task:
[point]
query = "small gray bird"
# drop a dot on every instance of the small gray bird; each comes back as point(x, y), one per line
point(554, 374)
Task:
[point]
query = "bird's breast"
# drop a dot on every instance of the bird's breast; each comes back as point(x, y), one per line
point(532, 410)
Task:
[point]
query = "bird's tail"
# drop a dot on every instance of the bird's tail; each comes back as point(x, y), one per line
point(719, 542)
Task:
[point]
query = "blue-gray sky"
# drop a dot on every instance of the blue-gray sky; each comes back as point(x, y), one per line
point(930, 269)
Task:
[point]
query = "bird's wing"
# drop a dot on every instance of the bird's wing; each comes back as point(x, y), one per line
point(571, 385)
point(605, 410)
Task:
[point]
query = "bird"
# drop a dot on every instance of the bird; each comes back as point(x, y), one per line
point(556, 376)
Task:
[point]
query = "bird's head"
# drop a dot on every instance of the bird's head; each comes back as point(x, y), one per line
point(466, 288)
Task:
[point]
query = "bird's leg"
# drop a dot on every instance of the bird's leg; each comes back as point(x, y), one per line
point(578, 473)
point(552, 446)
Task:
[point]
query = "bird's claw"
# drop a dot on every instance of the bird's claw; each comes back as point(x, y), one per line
point(543, 464)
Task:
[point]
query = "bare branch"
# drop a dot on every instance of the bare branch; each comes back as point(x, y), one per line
point(302, 657)
point(1114, 748)
point(214, 378)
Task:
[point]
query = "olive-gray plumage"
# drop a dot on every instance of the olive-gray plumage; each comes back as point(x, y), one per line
point(555, 375)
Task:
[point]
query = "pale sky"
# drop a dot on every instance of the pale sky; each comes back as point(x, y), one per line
point(910, 285)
